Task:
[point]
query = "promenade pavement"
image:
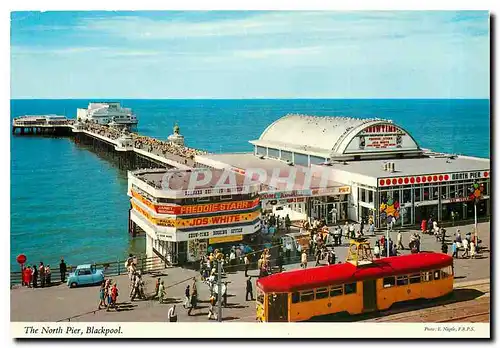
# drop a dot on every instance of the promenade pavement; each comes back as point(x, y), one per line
point(59, 302)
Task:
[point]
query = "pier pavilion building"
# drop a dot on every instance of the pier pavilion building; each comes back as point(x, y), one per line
point(376, 168)
point(181, 223)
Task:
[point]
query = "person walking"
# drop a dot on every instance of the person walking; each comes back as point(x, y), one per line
point(211, 308)
point(249, 289)
point(454, 250)
point(465, 244)
point(186, 297)
point(62, 270)
point(372, 229)
point(303, 260)
point(472, 250)
point(157, 288)
point(400, 241)
point(444, 248)
point(161, 292)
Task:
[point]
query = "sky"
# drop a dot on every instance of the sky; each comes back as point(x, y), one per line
point(250, 54)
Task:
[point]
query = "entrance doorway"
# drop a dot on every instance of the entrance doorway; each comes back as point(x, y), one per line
point(278, 307)
point(369, 295)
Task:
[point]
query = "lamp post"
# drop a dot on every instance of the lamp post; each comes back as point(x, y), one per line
point(477, 193)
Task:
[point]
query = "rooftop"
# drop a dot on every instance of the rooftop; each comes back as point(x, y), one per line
point(250, 163)
point(178, 180)
point(325, 135)
point(414, 166)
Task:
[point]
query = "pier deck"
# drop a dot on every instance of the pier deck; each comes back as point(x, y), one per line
point(30, 125)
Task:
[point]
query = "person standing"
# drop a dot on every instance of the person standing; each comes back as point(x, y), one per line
point(376, 250)
point(47, 275)
point(171, 315)
point(34, 272)
point(62, 270)
point(194, 297)
point(186, 297)
point(303, 260)
point(454, 250)
point(372, 229)
point(362, 226)
point(279, 261)
point(249, 289)
point(157, 288)
point(102, 291)
point(161, 292)
point(114, 295)
point(247, 265)
point(400, 241)
point(41, 273)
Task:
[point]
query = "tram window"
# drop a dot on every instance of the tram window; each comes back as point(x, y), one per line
point(402, 280)
point(350, 288)
point(337, 291)
point(414, 278)
point(446, 272)
point(427, 276)
point(260, 297)
point(389, 281)
point(306, 296)
point(321, 293)
point(437, 275)
point(295, 297)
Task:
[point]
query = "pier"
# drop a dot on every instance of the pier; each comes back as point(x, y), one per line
point(130, 151)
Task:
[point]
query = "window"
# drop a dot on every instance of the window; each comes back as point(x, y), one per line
point(84, 272)
point(427, 276)
point(426, 195)
point(362, 197)
point(317, 160)
point(370, 196)
point(260, 297)
point(417, 194)
point(286, 155)
point(402, 280)
point(389, 281)
point(446, 272)
point(321, 293)
point(444, 193)
point(295, 297)
point(437, 275)
point(301, 159)
point(336, 291)
point(306, 296)
point(415, 278)
point(273, 153)
point(350, 288)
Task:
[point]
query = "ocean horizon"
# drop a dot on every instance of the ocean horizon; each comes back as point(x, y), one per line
point(67, 201)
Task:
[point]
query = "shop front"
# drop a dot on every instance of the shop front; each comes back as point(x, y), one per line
point(410, 204)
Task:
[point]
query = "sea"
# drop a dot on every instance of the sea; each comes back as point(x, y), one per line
point(67, 201)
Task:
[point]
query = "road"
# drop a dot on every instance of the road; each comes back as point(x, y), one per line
point(60, 303)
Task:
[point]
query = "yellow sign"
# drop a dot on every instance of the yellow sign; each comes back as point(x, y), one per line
point(199, 221)
point(226, 239)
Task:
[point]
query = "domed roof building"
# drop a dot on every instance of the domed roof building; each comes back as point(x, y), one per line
point(326, 138)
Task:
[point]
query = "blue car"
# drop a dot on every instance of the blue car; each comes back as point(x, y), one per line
point(85, 275)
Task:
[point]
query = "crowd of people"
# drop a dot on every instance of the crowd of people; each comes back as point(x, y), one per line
point(41, 276)
point(152, 145)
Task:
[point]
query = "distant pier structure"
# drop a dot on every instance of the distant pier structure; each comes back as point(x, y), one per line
point(42, 124)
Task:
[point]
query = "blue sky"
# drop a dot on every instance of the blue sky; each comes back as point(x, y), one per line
point(241, 54)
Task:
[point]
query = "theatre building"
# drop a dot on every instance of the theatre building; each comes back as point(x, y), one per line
point(376, 168)
point(180, 223)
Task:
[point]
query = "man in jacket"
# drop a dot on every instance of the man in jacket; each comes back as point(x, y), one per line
point(249, 289)
point(62, 270)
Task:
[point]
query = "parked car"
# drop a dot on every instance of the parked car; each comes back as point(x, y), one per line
point(85, 275)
